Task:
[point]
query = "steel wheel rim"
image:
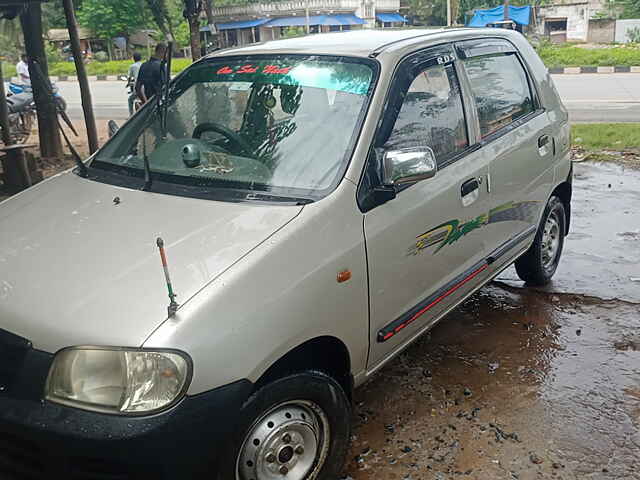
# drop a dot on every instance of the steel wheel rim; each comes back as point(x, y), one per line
point(550, 241)
point(290, 441)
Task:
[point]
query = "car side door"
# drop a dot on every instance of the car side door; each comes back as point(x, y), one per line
point(515, 131)
point(425, 245)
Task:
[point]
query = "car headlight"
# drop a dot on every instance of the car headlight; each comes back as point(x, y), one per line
point(119, 381)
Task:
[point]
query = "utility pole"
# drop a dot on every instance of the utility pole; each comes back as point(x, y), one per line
point(83, 81)
point(306, 12)
point(4, 112)
point(448, 13)
point(506, 10)
point(31, 20)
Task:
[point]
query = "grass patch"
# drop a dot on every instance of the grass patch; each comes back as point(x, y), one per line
point(8, 71)
point(606, 136)
point(572, 56)
point(95, 68)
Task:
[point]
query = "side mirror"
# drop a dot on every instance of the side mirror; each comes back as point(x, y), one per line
point(113, 127)
point(408, 165)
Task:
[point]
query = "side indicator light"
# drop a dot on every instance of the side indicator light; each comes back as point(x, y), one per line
point(344, 275)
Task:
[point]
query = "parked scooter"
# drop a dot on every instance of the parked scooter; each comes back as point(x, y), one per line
point(22, 110)
point(22, 115)
point(16, 89)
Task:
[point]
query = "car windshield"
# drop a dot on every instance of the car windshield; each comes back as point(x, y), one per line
point(276, 124)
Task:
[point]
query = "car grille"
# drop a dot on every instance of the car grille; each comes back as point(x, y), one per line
point(13, 351)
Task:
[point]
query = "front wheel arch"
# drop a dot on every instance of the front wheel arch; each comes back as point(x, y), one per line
point(326, 354)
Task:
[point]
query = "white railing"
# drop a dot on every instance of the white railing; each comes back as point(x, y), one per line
point(261, 9)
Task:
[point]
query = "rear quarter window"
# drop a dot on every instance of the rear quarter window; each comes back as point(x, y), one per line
point(500, 89)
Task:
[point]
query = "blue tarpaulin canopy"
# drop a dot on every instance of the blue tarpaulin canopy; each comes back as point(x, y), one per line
point(242, 24)
point(390, 17)
point(481, 18)
point(338, 19)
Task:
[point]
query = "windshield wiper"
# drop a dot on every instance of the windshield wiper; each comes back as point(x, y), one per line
point(162, 105)
point(268, 197)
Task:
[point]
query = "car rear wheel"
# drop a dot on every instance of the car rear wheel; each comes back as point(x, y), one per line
point(539, 263)
point(294, 428)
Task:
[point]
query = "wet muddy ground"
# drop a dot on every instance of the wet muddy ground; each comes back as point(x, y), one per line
point(520, 383)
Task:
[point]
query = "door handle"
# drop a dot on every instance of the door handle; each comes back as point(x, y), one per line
point(543, 145)
point(470, 191)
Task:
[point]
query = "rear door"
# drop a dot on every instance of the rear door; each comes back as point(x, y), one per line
point(516, 133)
point(425, 247)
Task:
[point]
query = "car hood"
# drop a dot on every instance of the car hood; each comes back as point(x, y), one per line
point(78, 268)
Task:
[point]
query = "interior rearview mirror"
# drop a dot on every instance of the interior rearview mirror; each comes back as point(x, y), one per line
point(408, 165)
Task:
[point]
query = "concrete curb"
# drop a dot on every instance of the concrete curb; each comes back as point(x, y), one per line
point(578, 70)
point(73, 78)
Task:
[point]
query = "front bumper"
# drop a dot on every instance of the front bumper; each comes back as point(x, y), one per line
point(43, 440)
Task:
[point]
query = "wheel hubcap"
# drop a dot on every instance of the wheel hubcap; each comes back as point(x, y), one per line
point(550, 241)
point(289, 442)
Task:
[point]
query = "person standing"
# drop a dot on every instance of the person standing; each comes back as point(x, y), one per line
point(132, 78)
point(150, 77)
point(22, 68)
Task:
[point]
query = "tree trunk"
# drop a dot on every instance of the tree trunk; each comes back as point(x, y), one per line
point(4, 113)
point(194, 29)
point(208, 8)
point(83, 81)
point(31, 20)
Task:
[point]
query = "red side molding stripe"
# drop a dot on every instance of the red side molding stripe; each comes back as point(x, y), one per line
point(385, 336)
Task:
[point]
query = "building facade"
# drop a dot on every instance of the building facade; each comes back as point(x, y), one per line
point(569, 21)
point(245, 24)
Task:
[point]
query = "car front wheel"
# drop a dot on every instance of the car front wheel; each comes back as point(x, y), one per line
point(294, 428)
point(539, 263)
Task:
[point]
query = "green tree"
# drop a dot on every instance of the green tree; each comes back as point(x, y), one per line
point(10, 40)
point(164, 15)
point(53, 14)
point(107, 18)
point(631, 9)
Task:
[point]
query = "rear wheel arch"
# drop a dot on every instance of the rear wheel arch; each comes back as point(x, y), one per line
point(326, 354)
point(564, 192)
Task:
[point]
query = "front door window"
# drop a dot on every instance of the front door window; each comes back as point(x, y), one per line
point(432, 115)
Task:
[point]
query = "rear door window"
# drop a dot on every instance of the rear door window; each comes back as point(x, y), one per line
point(501, 90)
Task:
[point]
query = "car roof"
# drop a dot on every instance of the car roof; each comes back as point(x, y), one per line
point(359, 43)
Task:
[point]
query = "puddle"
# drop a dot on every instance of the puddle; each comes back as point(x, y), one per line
point(602, 252)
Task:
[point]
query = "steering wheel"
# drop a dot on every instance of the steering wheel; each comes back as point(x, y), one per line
point(229, 134)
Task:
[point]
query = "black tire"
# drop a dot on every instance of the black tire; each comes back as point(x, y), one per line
point(316, 388)
point(536, 267)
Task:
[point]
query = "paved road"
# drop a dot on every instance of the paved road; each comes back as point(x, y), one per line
point(589, 97)
point(601, 97)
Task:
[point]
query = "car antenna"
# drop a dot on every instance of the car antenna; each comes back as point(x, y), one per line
point(173, 305)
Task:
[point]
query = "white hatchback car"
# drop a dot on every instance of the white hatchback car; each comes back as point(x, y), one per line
point(318, 203)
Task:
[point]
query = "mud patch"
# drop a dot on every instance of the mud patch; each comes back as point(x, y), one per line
point(628, 344)
point(514, 384)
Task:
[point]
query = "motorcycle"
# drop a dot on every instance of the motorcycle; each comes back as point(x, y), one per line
point(22, 110)
point(16, 89)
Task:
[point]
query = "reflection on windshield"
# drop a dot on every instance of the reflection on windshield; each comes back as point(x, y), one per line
point(275, 123)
